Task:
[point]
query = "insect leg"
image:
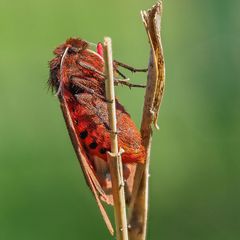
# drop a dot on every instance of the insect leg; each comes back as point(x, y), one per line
point(84, 65)
point(128, 84)
point(132, 69)
point(121, 74)
point(77, 82)
point(117, 80)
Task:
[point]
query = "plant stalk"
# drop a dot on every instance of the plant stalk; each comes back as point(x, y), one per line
point(114, 158)
point(138, 210)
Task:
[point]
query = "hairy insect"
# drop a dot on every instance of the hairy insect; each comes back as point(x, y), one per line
point(77, 76)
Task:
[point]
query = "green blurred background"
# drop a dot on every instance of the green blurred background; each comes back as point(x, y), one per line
point(195, 165)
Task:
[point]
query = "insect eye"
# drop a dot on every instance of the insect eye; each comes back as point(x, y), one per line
point(73, 50)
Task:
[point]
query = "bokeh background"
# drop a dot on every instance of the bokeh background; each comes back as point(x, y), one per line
point(195, 164)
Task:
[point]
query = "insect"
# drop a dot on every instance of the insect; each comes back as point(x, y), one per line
point(77, 76)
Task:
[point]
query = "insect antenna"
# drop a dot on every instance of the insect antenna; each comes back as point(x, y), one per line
point(61, 64)
point(91, 44)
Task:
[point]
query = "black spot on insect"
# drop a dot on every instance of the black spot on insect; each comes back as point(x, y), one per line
point(103, 150)
point(93, 145)
point(76, 121)
point(83, 134)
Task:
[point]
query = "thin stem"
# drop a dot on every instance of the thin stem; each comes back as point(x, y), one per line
point(114, 158)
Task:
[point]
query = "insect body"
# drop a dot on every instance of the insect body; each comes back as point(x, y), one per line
point(77, 75)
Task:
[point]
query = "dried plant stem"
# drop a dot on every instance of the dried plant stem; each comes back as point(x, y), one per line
point(114, 158)
point(138, 210)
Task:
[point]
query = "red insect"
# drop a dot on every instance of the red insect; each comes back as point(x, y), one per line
point(77, 75)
